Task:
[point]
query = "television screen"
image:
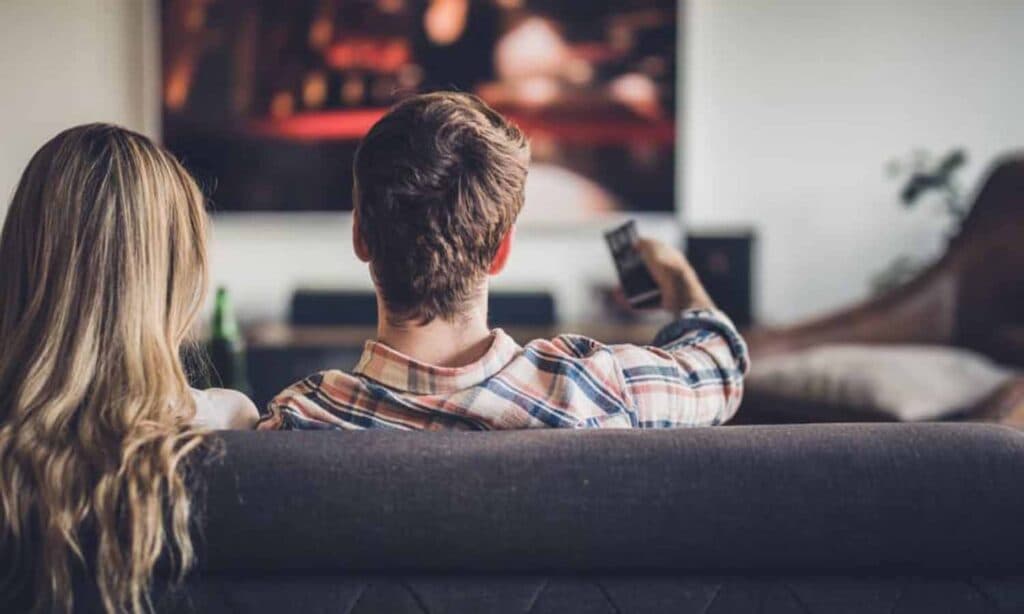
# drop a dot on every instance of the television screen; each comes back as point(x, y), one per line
point(265, 101)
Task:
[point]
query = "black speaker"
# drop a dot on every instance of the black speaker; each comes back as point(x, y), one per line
point(724, 262)
point(506, 308)
point(333, 308)
point(354, 308)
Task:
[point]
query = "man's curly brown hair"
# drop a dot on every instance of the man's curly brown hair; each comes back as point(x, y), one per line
point(439, 182)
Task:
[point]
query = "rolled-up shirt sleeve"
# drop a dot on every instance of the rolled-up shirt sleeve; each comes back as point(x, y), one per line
point(691, 375)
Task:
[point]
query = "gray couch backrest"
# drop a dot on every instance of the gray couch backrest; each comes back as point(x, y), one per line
point(810, 497)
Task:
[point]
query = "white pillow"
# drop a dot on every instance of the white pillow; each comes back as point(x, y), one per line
point(907, 383)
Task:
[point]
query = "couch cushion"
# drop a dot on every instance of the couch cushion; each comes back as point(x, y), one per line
point(927, 496)
point(903, 383)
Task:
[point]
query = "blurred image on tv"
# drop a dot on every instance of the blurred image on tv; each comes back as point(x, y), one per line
point(265, 101)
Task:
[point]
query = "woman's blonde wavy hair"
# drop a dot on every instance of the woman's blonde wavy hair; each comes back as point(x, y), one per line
point(102, 270)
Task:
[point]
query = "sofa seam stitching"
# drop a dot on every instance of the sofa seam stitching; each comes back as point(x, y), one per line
point(404, 583)
point(537, 594)
point(607, 596)
point(711, 600)
point(359, 596)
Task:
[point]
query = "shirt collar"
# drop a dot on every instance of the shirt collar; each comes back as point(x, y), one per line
point(397, 371)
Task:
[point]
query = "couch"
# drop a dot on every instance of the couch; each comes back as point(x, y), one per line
point(892, 519)
point(971, 298)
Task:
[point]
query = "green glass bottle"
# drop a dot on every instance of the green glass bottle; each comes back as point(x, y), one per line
point(226, 347)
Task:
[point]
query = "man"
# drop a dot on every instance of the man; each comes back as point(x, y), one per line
point(439, 183)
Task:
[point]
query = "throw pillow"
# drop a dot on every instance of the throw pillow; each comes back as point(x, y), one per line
point(906, 383)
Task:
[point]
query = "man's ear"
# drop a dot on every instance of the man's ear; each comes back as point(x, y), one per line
point(501, 256)
point(358, 243)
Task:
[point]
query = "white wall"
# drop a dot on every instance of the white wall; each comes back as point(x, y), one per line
point(95, 60)
point(264, 258)
point(794, 107)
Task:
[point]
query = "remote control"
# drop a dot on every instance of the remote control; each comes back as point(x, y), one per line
point(639, 286)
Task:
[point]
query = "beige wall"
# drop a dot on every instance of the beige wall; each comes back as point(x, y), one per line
point(64, 62)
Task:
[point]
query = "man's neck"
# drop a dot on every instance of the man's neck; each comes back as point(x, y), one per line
point(441, 343)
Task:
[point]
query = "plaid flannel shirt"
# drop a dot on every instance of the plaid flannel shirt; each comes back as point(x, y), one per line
point(692, 375)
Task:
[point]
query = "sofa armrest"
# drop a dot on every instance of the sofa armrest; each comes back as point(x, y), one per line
point(921, 312)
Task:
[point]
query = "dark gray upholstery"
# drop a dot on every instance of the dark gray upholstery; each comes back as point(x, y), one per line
point(805, 519)
point(808, 518)
point(603, 594)
point(770, 497)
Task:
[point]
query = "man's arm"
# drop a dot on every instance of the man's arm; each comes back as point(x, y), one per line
point(692, 375)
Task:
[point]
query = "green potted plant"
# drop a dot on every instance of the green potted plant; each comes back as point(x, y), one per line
point(924, 178)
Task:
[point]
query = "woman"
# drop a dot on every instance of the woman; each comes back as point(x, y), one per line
point(102, 271)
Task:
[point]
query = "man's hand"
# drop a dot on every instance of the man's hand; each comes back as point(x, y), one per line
point(680, 288)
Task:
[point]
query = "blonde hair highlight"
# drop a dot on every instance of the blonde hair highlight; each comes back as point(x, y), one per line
point(103, 271)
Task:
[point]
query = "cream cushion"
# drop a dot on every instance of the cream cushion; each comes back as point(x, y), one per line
point(906, 383)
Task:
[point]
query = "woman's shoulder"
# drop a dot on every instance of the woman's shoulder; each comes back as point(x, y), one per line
point(221, 408)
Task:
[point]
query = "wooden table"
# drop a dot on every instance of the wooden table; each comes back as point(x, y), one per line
point(283, 336)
